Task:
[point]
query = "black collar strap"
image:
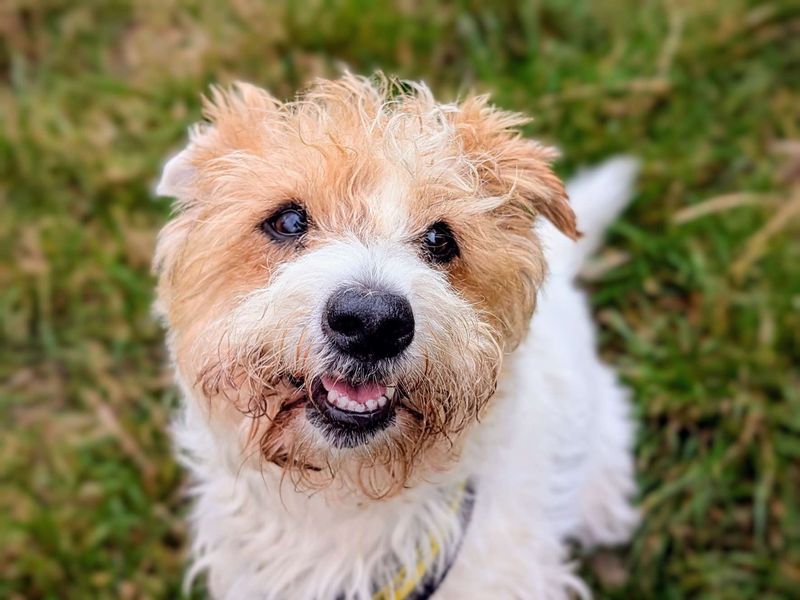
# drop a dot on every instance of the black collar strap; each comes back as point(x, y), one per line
point(425, 580)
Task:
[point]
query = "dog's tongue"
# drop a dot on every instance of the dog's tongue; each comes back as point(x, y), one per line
point(358, 393)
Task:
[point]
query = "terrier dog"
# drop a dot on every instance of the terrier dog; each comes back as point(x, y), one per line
point(390, 383)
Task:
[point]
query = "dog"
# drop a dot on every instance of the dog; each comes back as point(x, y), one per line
point(390, 383)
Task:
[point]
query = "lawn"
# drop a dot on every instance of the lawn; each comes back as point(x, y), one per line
point(697, 291)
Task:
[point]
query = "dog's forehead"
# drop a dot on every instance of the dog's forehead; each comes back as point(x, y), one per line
point(389, 207)
point(390, 204)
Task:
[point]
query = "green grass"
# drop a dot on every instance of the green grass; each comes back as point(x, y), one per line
point(700, 313)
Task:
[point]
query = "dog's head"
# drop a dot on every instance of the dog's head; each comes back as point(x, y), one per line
point(345, 272)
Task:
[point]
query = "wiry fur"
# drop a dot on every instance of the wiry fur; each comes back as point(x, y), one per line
point(533, 417)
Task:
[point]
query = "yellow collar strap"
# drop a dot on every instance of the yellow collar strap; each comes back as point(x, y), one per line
point(426, 579)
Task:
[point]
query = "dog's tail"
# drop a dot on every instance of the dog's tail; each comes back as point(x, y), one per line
point(598, 196)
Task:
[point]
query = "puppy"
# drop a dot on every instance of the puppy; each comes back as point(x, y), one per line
point(390, 384)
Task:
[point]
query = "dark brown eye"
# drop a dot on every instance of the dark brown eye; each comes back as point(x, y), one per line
point(440, 243)
point(290, 222)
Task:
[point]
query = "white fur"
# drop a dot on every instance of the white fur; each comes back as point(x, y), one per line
point(551, 462)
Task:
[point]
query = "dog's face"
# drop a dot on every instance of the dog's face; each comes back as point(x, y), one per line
point(345, 272)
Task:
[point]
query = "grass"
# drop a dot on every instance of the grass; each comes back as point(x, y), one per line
point(697, 291)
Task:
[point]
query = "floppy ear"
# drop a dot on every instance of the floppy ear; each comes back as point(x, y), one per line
point(235, 118)
point(177, 176)
point(512, 165)
point(178, 180)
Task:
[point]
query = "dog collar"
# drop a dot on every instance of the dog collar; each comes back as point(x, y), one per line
point(425, 578)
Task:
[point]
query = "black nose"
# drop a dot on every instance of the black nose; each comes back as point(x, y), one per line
point(369, 324)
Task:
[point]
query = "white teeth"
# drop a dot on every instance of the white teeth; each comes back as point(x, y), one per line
point(342, 401)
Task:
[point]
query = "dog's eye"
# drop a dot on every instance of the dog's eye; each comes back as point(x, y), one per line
point(287, 223)
point(440, 243)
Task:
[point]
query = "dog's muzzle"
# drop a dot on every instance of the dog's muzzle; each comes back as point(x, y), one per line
point(368, 329)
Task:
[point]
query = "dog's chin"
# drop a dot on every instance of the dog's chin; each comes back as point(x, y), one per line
point(348, 413)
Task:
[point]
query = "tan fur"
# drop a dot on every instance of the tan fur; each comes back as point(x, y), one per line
point(333, 151)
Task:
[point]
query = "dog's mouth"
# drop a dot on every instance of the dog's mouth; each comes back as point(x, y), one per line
point(350, 413)
point(365, 398)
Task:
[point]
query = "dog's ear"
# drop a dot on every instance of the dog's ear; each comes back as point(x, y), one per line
point(512, 165)
point(177, 176)
point(178, 180)
point(236, 119)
